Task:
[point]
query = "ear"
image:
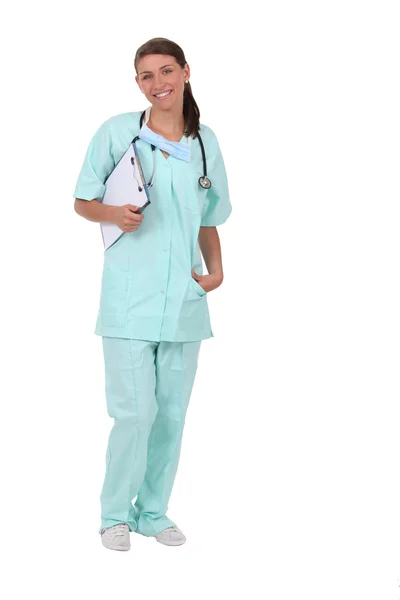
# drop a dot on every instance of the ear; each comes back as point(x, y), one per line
point(137, 81)
point(187, 72)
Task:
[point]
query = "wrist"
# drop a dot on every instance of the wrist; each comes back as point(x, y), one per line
point(110, 213)
point(218, 277)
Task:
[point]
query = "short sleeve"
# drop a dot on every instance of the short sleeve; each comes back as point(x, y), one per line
point(97, 166)
point(217, 205)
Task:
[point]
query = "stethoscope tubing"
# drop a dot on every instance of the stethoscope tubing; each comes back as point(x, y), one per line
point(203, 181)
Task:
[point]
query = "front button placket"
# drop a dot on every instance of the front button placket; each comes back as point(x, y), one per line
point(165, 245)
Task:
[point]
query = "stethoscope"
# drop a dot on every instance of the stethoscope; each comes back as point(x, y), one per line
point(204, 181)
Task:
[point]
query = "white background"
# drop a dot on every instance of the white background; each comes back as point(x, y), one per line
point(288, 483)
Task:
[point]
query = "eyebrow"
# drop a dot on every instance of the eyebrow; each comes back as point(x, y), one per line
point(152, 71)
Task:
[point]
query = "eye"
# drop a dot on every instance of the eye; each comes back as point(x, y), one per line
point(167, 70)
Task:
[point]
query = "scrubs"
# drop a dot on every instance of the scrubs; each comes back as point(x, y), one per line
point(147, 289)
point(152, 317)
point(148, 386)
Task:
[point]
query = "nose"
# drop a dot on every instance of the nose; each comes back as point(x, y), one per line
point(158, 85)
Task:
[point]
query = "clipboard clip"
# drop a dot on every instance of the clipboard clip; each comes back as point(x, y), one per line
point(138, 175)
point(134, 174)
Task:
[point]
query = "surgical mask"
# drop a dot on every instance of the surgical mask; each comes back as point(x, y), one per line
point(178, 150)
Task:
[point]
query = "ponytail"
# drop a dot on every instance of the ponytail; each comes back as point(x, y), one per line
point(191, 112)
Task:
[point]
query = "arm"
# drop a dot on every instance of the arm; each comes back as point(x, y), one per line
point(211, 250)
point(216, 211)
point(123, 216)
point(94, 210)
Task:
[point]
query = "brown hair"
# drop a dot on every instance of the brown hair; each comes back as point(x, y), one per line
point(191, 112)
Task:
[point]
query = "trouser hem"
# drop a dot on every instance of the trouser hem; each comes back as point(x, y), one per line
point(111, 522)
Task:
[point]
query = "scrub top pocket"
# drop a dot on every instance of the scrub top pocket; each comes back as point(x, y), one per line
point(114, 295)
point(198, 289)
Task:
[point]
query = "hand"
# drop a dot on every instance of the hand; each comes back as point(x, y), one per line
point(207, 282)
point(126, 219)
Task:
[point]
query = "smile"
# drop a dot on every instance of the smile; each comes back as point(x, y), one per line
point(163, 95)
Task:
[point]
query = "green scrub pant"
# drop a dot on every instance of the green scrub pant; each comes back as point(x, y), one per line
point(148, 386)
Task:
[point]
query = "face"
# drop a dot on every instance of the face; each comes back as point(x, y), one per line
point(158, 73)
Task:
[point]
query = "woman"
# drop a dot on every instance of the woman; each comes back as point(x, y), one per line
point(153, 307)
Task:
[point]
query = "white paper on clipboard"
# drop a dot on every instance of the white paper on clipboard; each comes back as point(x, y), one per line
point(122, 187)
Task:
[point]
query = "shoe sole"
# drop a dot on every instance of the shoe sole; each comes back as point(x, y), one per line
point(122, 548)
point(171, 543)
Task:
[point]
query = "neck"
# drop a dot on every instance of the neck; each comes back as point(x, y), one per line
point(169, 122)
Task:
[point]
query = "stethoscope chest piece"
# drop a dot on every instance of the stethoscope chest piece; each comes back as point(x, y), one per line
point(205, 182)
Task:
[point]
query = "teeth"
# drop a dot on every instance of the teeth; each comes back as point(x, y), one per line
point(163, 95)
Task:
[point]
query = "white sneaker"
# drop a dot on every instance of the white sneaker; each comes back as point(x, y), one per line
point(171, 536)
point(116, 537)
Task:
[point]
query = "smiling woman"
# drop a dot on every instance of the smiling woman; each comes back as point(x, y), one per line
point(153, 311)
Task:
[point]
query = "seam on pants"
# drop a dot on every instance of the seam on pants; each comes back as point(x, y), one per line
point(153, 430)
point(137, 433)
point(180, 366)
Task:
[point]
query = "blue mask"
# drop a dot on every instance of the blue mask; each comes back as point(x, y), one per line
point(177, 149)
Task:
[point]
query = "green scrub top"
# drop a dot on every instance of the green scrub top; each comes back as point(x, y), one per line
point(147, 288)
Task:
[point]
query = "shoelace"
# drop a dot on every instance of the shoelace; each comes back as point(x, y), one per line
point(120, 529)
point(170, 529)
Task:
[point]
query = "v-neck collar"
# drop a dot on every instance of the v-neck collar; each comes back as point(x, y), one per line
point(183, 138)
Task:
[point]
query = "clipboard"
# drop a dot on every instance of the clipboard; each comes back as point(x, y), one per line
point(124, 185)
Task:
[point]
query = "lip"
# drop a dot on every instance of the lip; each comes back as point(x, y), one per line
point(165, 97)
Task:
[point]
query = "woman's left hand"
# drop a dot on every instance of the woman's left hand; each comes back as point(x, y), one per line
point(207, 282)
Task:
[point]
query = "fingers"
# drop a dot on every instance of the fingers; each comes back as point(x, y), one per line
point(130, 224)
point(128, 228)
point(130, 214)
point(132, 221)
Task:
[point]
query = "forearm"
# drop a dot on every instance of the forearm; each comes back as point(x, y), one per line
point(93, 210)
point(211, 250)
